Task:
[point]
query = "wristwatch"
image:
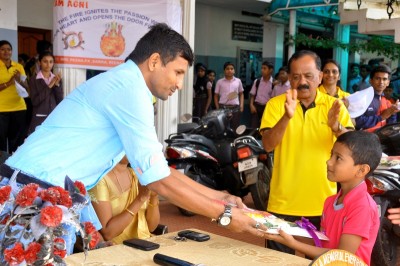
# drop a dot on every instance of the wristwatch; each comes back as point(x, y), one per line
point(226, 217)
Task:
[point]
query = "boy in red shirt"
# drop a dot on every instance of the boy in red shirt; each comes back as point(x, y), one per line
point(350, 218)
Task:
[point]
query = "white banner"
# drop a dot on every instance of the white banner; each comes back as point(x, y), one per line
point(100, 34)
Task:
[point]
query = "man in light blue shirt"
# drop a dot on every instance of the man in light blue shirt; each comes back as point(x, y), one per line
point(112, 114)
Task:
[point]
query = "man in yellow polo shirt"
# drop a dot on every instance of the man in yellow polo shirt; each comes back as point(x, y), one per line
point(301, 127)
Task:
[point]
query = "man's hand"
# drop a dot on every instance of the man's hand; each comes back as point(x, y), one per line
point(390, 111)
point(242, 223)
point(291, 102)
point(394, 215)
point(333, 116)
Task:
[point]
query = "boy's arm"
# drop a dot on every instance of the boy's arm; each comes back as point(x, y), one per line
point(347, 242)
point(288, 240)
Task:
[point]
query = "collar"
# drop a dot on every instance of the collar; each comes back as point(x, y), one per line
point(352, 193)
point(40, 76)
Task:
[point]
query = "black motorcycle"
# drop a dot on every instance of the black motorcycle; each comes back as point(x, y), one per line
point(384, 187)
point(206, 152)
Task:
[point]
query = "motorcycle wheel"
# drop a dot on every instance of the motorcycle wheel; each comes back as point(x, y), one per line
point(260, 190)
point(384, 252)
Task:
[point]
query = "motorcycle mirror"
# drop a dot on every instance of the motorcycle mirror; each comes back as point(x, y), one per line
point(231, 96)
point(185, 117)
point(240, 129)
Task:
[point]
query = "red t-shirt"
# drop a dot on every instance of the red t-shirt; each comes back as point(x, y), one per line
point(357, 215)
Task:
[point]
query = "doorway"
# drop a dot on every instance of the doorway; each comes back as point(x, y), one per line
point(28, 37)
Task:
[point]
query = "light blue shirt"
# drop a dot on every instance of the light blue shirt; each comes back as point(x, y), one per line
point(89, 131)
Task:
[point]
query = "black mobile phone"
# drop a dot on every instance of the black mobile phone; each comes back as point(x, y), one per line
point(193, 235)
point(141, 244)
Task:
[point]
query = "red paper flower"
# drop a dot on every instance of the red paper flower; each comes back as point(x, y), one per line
point(93, 234)
point(65, 198)
point(15, 255)
point(27, 195)
point(5, 220)
point(31, 252)
point(52, 195)
point(51, 216)
point(59, 252)
point(4, 194)
point(80, 187)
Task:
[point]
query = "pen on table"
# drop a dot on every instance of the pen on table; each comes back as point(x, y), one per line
point(165, 260)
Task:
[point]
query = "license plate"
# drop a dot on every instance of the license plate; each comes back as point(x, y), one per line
point(247, 164)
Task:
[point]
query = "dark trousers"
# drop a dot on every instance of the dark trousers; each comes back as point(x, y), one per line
point(315, 220)
point(199, 105)
point(12, 130)
point(256, 118)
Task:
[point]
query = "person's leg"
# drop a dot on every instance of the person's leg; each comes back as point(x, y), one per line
point(315, 220)
point(235, 120)
point(260, 112)
point(17, 130)
point(4, 121)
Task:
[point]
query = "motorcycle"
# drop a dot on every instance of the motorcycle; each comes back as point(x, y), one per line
point(384, 187)
point(207, 153)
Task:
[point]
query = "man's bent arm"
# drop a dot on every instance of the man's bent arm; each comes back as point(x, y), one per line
point(272, 137)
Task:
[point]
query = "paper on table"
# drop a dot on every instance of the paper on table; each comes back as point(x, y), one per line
point(21, 90)
point(359, 101)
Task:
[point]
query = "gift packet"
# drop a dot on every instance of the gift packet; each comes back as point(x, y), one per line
point(300, 228)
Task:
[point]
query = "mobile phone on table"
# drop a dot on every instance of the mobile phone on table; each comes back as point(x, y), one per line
point(141, 244)
point(193, 235)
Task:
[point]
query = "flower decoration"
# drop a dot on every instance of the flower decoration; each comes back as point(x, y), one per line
point(32, 223)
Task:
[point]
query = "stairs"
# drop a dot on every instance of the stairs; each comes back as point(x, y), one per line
point(371, 17)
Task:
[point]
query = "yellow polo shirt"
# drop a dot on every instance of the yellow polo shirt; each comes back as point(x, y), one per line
point(10, 101)
point(340, 93)
point(299, 184)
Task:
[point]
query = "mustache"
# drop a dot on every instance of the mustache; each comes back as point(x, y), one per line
point(303, 86)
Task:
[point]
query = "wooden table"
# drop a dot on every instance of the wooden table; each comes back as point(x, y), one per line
point(218, 250)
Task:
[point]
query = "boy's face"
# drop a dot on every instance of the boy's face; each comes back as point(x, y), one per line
point(380, 81)
point(266, 71)
point(229, 71)
point(201, 73)
point(211, 76)
point(388, 92)
point(340, 166)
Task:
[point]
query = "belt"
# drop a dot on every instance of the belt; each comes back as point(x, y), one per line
point(229, 106)
point(23, 179)
point(260, 104)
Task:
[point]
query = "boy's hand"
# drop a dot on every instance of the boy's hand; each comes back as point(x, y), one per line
point(282, 238)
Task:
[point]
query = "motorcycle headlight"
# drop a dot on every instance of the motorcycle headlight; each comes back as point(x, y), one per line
point(376, 185)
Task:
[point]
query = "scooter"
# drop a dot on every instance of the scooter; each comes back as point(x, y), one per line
point(384, 187)
point(206, 154)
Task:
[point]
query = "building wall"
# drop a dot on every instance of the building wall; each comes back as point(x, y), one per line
point(213, 36)
point(35, 13)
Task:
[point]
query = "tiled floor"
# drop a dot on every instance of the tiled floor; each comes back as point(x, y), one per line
point(171, 216)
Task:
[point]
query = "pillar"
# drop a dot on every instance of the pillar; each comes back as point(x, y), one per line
point(342, 34)
point(273, 44)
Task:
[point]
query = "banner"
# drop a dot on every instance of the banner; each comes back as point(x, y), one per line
point(100, 34)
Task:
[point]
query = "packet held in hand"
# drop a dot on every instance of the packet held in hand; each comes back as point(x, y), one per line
point(274, 224)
